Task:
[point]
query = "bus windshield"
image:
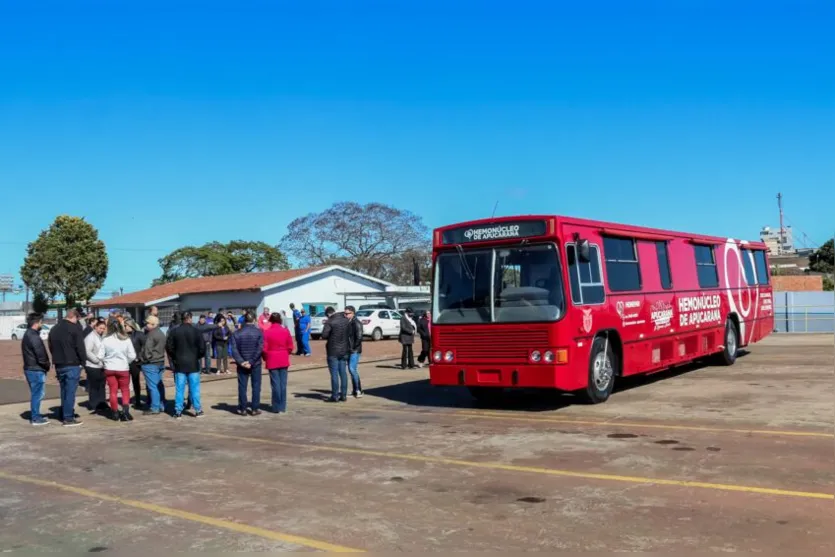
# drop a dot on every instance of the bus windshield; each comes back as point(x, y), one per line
point(519, 284)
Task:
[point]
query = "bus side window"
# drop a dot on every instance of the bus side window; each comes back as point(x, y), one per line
point(664, 265)
point(706, 266)
point(622, 268)
point(584, 278)
point(748, 267)
point(762, 267)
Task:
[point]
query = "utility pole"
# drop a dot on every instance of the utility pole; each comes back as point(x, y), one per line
point(782, 228)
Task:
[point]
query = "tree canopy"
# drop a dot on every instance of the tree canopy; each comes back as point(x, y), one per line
point(823, 259)
point(66, 259)
point(375, 239)
point(216, 258)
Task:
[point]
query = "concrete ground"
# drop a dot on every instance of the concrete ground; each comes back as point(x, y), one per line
point(703, 458)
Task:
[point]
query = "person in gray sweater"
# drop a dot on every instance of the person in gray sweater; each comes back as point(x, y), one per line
point(153, 365)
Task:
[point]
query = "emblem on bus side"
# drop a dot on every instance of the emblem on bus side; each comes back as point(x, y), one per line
point(587, 320)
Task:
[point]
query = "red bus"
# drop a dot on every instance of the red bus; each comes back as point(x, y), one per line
point(572, 304)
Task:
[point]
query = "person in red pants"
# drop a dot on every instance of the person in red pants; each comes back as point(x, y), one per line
point(117, 353)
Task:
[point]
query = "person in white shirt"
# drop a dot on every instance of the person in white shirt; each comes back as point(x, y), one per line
point(117, 352)
point(95, 367)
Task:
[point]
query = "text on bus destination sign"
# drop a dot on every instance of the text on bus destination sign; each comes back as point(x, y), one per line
point(503, 231)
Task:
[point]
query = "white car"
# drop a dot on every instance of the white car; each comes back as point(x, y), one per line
point(317, 324)
point(379, 323)
point(20, 329)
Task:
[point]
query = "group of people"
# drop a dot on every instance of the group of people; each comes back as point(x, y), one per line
point(115, 352)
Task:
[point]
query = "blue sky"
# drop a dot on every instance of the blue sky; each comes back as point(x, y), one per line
point(176, 123)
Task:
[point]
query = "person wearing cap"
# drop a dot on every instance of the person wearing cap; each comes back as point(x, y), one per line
point(355, 340)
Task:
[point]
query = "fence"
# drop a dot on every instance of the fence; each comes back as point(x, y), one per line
point(804, 312)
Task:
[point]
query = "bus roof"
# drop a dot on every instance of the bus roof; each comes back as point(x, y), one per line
point(602, 225)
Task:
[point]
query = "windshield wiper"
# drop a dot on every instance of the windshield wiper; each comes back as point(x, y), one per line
point(464, 263)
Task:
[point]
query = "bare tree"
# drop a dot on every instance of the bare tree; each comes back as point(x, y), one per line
point(374, 239)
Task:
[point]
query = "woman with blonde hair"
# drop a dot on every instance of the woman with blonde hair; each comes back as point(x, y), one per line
point(117, 353)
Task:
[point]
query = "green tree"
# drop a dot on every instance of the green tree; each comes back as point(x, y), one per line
point(40, 303)
point(828, 283)
point(67, 259)
point(823, 259)
point(375, 239)
point(215, 258)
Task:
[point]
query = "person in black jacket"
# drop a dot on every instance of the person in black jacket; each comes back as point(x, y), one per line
point(408, 328)
point(247, 350)
point(66, 344)
point(355, 340)
point(337, 332)
point(423, 329)
point(185, 347)
point(35, 366)
point(137, 338)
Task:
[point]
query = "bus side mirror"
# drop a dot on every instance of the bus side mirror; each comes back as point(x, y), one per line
point(583, 251)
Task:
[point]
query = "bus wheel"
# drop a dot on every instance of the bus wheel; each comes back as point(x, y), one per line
point(728, 355)
point(377, 334)
point(486, 395)
point(602, 366)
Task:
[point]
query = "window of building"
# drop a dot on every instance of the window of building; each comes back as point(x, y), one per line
point(664, 265)
point(622, 270)
point(586, 283)
point(762, 266)
point(706, 267)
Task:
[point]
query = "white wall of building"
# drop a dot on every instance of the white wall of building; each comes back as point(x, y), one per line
point(321, 290)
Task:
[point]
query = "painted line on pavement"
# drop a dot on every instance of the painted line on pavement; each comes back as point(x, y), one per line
point(596, 423)
point(185, 515)
point(529, 469)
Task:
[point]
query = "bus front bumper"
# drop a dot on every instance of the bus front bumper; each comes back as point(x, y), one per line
point(547, 376)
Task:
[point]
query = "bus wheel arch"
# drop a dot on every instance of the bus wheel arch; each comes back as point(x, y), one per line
point(604, 366)
point(730, 341)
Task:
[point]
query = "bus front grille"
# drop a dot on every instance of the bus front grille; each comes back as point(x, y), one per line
point(478, 347)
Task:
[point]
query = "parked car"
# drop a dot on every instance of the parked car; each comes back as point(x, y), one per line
point(317, 323)
point(20, 329)
point(379, 323)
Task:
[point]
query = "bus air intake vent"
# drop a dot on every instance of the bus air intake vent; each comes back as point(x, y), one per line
point(505, 347)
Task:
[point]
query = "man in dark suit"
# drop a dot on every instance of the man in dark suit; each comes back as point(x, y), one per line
point(185, 347)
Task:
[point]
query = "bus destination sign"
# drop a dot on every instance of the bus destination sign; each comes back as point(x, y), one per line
point(501, 231)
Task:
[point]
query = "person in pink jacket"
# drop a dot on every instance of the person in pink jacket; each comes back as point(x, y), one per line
point(278, 344)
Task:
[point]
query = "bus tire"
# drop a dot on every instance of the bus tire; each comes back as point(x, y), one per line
point(730, 345)
point(377, 334)
point(601, 380)
point(486, 395)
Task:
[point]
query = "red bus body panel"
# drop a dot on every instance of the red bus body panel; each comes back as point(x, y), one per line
point(656, 328)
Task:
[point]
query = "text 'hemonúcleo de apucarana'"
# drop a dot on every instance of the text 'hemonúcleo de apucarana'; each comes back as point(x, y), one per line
point(698, 310)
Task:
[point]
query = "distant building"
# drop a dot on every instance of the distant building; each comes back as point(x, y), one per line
point(776, 245)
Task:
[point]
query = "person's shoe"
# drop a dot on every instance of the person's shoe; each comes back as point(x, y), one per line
point(151, 413)
point(241, 412)
point(72, 423)
point(40, 421)
point(178, 415)
point(199, 414)
point(256, 412)
point(342, 399)
point(358, 394)
point(331, 399)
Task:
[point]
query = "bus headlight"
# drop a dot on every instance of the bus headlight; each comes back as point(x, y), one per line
point(536, 356)
point(548, 356)
point(448, 356)
point(437, 356)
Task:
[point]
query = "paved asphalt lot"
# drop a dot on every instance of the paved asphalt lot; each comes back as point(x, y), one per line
point(703, 458)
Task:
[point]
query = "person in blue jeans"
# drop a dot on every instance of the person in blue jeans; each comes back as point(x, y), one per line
point(152, 359)
point(66, 344)
point(338, 348)
point(278, 345)
point(355, 341)
point(185, 347)
point(247, 351)
point(35, 366)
